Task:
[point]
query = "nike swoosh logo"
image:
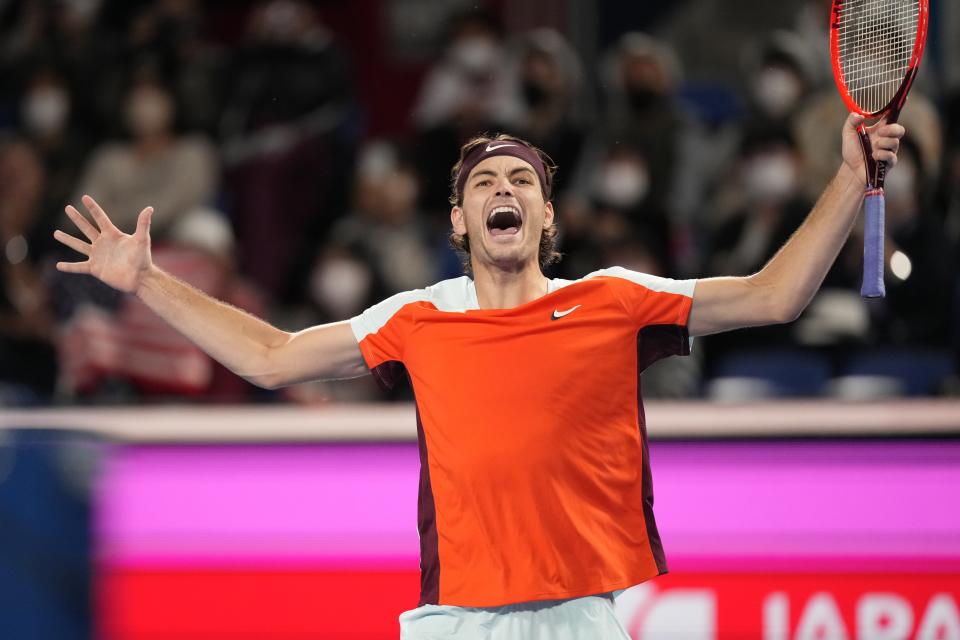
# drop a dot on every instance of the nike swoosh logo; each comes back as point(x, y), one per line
point(559, 314)
point(491, 147)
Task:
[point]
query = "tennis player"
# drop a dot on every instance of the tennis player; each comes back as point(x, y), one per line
point(536, 500)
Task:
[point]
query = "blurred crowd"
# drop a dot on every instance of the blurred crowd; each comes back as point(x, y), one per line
point(249, 129)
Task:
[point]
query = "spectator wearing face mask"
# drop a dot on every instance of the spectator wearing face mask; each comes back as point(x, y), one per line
point(155, 166)
point(386, 225)
point(618, 208)
point(71, 36)
point(641, 77)
point(467, 81)
point(46, 119)
point(383, 246)
point(171, 33)
point(549, 79)
point(466, 92)
point(770, 205)
point(781, 76)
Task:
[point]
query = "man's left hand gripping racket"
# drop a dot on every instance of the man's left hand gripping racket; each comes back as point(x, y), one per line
point(876, 47)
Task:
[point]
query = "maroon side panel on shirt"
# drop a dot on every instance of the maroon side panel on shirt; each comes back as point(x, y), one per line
point(427, 526)
point(388, 374)
point(658, 341)
point(654, 343)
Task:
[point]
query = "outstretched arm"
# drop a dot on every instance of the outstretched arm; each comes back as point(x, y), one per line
point(248, 346)
point(784, 287)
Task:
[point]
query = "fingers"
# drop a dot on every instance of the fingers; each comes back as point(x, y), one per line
point(74, 267)
point(85, 227)
point(883, 130)
point(98, 214)
point(885, 156)
point(143, 222)
point(885, 138)
point(885, 150)
point(886, 142)
point(880, 128)
point(74, 243)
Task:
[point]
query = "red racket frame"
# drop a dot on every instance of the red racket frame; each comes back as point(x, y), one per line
point(896, 103)
point(873, 208)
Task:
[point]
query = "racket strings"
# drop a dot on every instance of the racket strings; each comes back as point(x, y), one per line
point(876, 39)
point(878, 45)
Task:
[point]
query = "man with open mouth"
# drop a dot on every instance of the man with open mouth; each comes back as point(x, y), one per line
point(536, 501)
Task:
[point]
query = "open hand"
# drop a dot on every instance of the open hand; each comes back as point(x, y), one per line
point(116, 258)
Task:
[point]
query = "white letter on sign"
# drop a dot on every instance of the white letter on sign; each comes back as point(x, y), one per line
point(883, 616)
point(776, 617)
point(821, 619)
point(682, 613)
point(941, 620)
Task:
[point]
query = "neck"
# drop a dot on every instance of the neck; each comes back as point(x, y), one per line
point(499, 288)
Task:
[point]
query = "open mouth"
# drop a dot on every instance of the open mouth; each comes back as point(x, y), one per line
point(504, 221)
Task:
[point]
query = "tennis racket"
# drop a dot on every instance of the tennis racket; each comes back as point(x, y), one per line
point(876, 47)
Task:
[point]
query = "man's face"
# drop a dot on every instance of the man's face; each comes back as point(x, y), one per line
point(503, 213)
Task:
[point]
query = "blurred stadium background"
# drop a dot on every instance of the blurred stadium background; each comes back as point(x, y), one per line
point(298, 156)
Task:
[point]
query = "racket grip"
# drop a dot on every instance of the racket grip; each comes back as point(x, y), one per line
point(873, 215)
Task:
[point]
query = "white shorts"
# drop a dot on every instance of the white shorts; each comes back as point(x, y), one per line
point(574, 619)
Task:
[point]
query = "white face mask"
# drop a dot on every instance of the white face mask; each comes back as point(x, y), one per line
point(621, 184)
point(45, 110)
point(770, 177)
point(474, 55)
point(777, 90)
point(340, 285)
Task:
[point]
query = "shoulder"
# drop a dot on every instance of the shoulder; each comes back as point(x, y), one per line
point(621, 276)
point(455, 295)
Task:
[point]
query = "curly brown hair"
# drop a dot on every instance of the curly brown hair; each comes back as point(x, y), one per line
point(548, 239)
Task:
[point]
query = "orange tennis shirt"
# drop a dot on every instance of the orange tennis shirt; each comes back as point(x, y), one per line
point(534, 480)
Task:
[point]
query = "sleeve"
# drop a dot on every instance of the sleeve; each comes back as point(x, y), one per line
point(381, 331)
point(659, 308)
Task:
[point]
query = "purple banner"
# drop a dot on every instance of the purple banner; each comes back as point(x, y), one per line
point(722, 505)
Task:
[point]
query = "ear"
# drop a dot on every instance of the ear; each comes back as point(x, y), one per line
point(547, 214)
point(456, 219)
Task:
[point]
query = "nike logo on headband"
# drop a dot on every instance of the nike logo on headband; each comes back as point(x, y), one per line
point(491, 147)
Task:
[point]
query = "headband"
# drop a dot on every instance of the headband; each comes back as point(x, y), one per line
point(500, 148)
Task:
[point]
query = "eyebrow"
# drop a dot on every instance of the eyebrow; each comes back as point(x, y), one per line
point(515, 170)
